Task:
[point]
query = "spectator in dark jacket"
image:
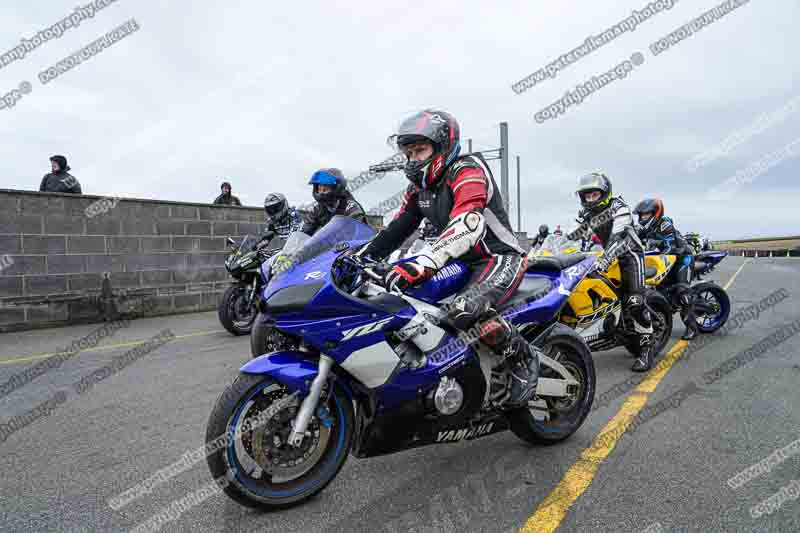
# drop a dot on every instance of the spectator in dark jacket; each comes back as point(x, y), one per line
point(226, 198)
point(60, 180)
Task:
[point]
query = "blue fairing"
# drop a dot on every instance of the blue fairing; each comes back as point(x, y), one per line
point(287, 367)
point(305, 303)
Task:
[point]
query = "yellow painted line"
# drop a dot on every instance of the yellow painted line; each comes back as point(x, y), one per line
point(552, 511)
point(730, 281)
point(27, 359)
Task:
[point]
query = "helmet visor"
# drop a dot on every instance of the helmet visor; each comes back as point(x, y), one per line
point(274, 210)
point(591, 182)
point(322, 177)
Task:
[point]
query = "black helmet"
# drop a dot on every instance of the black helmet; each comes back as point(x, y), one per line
point(594, 182)
point(62, 162)
point(544, 230)
point(654, 206)
point(328, 176)
point(440, 129)
point(275, 206)
point(225, 184)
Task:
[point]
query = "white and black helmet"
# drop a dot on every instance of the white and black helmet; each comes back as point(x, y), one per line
point(275, 206)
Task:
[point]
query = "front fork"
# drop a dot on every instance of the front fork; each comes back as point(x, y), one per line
point(253, 289)
point(310, 402)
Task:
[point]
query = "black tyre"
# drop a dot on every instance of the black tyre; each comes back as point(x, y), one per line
point(553, 420)
point(715, 306)
point(234, 313)
point(661, 314)
point(266, 339)
point(262, 470)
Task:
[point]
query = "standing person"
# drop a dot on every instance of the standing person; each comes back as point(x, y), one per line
point(329, 189)
point(459, 196)
point(609, 217)
point(226, 198)
point(59, 179)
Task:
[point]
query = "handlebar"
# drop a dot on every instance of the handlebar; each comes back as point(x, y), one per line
point(366, 265)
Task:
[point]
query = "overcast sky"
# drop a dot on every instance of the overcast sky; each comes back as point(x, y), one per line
point(263, 93)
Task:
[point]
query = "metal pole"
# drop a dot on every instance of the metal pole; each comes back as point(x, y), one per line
point(469, 146)
point(519, 203)
point(504, 164)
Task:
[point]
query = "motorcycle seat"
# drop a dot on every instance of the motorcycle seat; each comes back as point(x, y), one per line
point(530, 288)
point(649, 272)
point(555, 263)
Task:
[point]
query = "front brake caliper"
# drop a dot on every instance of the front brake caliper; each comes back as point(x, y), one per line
point(324, 416)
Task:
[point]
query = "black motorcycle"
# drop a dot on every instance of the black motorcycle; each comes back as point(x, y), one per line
point(239, 305)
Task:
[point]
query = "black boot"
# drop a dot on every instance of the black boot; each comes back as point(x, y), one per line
point(644, 361)
point(524, 372)
point(643, 327)
point(687, 302)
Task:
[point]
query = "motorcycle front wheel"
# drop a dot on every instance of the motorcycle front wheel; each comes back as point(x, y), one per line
point(246, 443)
point(712, 307)
point(235, 314)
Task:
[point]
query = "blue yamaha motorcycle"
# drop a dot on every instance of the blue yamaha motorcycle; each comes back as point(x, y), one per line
point(373, 372)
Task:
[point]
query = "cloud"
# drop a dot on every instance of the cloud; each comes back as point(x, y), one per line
point(262, 94)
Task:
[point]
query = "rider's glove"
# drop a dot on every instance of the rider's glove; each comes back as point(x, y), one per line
point(409, 274)
point(603, 263)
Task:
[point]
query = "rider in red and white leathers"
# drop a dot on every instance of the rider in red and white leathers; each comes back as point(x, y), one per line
point(460, 198)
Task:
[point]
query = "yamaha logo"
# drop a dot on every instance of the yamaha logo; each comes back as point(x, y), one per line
point(461, 434)
point(447, 272)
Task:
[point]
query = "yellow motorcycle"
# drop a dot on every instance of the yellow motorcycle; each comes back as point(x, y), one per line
point(594, 309)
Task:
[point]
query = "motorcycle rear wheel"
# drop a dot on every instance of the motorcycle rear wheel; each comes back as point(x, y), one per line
point(551, 421)
point(661, 314)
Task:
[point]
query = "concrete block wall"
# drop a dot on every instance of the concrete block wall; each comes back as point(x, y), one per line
point(59, 266)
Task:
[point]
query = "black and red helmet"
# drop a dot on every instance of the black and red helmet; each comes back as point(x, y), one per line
point(440, 129)
point(653, 207)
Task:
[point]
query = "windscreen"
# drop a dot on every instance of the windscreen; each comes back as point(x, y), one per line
point(246, 245)
point(558, 245)
point(339, 229)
